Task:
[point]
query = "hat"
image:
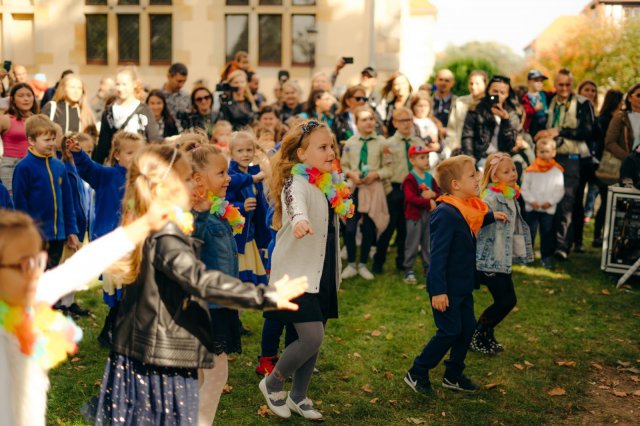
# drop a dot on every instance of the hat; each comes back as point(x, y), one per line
point(417, 149)
point(533, 74)
point(370, 72)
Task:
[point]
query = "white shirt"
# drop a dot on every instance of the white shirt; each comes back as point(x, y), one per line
point(122, 112)
point(493, 145)
point(547, 187)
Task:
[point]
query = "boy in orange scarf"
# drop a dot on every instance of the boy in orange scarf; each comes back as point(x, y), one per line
point(452, 275)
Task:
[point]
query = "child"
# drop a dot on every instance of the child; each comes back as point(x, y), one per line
point(216, 222)
point(221, 136)
point(41, 189)
point(398, 146)
point(42, 338)
point(535, 103)
point(366, 164)
point(420, 191)
point(452, 274)
point(542, 190)
point(163, 329)
point(248, 197)
point(108, 182)
point(307, 214)
point(499, 246)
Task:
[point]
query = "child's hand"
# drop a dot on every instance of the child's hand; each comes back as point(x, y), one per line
point(158, 213)
point(501, 216)
point(259, 177)
point(545, 205)
point(287, 289)
point(301, 229)
point(535, 205)
point(371, 177)
point(250, 204)
point(355, 177)
point(432, 203)
point(73, 243)
point(538, 107)
point(73, 145)
point(428, 193)
point(440, 302)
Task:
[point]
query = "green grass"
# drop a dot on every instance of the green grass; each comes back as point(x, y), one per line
point(561, 315)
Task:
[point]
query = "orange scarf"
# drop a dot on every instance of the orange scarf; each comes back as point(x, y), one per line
point(473, 209)
point(543, 166)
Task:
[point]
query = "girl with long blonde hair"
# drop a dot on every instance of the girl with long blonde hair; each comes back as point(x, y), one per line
point(69, 107)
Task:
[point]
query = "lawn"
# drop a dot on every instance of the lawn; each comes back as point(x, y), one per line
point(573, 314)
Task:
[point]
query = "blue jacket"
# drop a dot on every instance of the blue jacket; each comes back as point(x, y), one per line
point(82, 200)
point(240, 188)
point(219, 250)
point(109, 183)
point(5, 199)
point(41, 189)
point(496, 242)
point(453, 253)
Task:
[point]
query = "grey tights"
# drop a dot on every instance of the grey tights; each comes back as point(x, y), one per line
point(298, 359)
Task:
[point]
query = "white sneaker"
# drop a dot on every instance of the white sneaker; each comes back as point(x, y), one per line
point(308, 412)
point(276, 400)
point(343, 253)
point(364, 272)
point(349, 272)
point(372, 252)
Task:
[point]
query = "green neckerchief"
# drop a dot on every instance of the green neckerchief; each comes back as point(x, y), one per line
point(407, 145)
point(364, 154)
point(558, 113)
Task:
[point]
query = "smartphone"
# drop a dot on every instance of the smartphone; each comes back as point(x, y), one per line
point(7, 66)
point(494, 99)
point(347, 59)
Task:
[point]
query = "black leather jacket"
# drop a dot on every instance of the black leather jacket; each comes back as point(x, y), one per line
point(163, 318)
point(479, 125)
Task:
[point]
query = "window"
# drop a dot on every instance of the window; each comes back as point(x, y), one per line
point(96, 39)
point(237, 34)
point(161, 29)
point(128, 32)
point(237, 2)
point(270, 44)
point(129, 39)
point(304, 2)
point(270, 2)
point(303, 44)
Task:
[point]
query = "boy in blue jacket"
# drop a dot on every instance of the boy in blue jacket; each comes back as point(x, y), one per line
point(42, 190)
point(5, 198)
point(452, 274)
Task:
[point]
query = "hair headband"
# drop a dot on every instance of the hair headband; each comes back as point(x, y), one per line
point(493, 164)
point(308, 128)
point(173, 160)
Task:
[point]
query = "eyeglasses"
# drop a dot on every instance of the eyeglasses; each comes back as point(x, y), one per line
point(361, 98)
point(204, 98)
point(29, 265)
point(563, 84)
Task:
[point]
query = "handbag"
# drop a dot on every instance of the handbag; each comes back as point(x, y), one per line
point(609, 169)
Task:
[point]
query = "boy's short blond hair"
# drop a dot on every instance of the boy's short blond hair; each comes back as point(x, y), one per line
point(362, 109)
point(38, 125)
point(452, 169)
point(402, 110)
point(550, 142)
point(221, 124)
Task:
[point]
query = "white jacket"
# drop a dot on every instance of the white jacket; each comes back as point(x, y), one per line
point(305, 256)
point(547, 187)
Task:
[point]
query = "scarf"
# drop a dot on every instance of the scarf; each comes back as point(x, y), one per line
point(473, 210)
point(364, 156)
point(508, 192)
point(332, 186)
point(543, 166)
point(45, 336)
point(224, 210)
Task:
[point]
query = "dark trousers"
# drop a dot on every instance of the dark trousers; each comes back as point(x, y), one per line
point(602, 211)
point(587, 174)
point(564, 212)
point(395, 203)
point(504, 298)
point(271, 332)
point(368, 230)
point(455, 329)
point(547, 235)
point(54, 252)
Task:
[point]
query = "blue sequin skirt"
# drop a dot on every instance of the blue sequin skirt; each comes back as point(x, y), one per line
point(134, 393)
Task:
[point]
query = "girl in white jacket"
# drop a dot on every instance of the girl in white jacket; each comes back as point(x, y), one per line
point(542, 189)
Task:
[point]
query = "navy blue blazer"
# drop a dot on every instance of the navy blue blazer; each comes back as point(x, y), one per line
point(452, 266)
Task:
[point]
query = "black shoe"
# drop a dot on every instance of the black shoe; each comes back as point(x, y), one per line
point(105, 338)
point(419, 384)
point(480, 344)
point(462, 383)
point(63, 309)
point(376, 268)
point(580, 249)
point(493, 343)
point(597, 243)
point(74, 309)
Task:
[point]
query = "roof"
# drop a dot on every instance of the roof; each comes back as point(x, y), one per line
point(548, 38)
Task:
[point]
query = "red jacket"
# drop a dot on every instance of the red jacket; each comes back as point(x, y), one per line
point(414, 204)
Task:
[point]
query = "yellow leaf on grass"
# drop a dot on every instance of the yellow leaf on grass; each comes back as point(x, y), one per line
point(605, 292)
point(527, 363)
point(75, 359)
point(519, 366)
point(367, 388)
point(619, 394)
point(367, 316)
point(227, 388)
point(566, 363)
point(636, 393)
point(388, 375)
point(490, 385)
point(376, 333)
point(374, 401)
point(263, 411)
point(375, 370)
point(415, 421)
point(635, 379)
point(596, 366)
point(557, 392)
point(357, 355)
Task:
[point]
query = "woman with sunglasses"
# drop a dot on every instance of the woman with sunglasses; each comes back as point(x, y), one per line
point(344, 125)
point(202, 117)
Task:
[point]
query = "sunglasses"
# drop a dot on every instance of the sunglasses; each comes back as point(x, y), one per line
point(29, 265)
point(361, 98)
point(204, 98)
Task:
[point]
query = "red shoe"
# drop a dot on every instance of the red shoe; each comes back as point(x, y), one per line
point(266, 365)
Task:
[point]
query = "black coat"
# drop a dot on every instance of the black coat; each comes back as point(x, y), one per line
point(479, 125)
point(163, 318)
point(630, 170)
point(239, 114)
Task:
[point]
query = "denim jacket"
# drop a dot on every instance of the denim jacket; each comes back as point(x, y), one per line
point(219, 251)
point(495, 247)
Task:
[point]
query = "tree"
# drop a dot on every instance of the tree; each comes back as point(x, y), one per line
point(461, 68)
point(505, 60)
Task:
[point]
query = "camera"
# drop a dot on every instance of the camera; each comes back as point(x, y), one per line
point(494, 99)
point(7, 66)
point(224, 87)
point(347, 59)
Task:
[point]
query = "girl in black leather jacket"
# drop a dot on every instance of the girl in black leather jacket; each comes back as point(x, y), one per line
point(163, 329)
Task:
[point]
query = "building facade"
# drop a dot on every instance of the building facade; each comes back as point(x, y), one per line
point(96, 37)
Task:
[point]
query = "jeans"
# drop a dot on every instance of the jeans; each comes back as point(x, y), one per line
point(547, 237)
point(602, 211)
point(587, 174)
point(395, 202)
point(564, 211)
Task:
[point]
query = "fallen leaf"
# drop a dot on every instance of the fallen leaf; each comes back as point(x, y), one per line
point(264, 411)
point(367, 388)
point(227, 388)
point(98, 382)
point(376, 333)
point(619, 394)
point(633, 370)
point(566, 363)
point(516, 309)
point(375, 370)
point(367, 316)
point(415, 421)
point(317, 403)
point(557, 392)
point(75, 359)
point(635, 379)
point(374, 401)
point(605, 292)
point(532, 339)
point(393, 402)
point(343, 378)
point(604, 387)
point(389, 336)
point(388, 375)
point(528, 364)
point(518, 366)
point(636, 393)
point(357, 355)
point(338, 340)
point(490, 385)
point(596, 366)
point(444, 414)
point(405, 356)
point(624, 363)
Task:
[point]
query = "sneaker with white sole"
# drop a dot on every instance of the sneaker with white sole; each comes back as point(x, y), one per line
point(419, 384)
point(303, 408)
point(410, 278)
point(349, 272)
point(276, 401)
point(462, 383)
point(364, 273)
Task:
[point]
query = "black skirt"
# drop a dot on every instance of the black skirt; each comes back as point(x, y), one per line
point(225, 325)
